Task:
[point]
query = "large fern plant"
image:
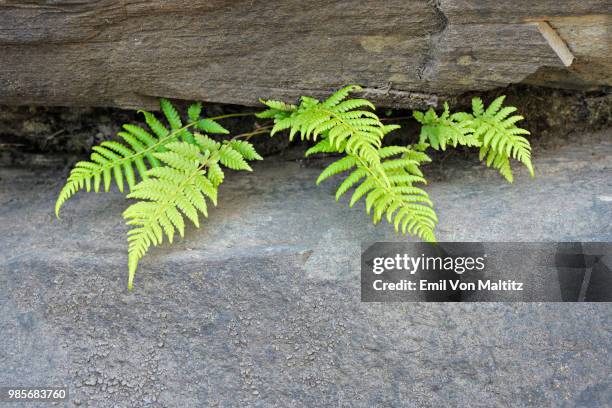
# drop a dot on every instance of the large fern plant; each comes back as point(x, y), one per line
point(173, 171)
point(386, 176)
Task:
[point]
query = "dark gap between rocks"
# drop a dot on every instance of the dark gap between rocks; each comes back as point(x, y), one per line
point(32, 135)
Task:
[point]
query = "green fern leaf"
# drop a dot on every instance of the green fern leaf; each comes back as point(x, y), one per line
point(477, 106)
point(446, 129)
point(215, 174)
point(164, 195)
point(492, 129)
point(233, 159)
point(116, 161)
point(207, 143)
point(177, 189)
point(267, 114)
point(505, 112)
point(245, 149)
point(210, 126)
point(278, 106)
point(323, 146)
point(353, 104)
point(341, 121)
point(174, 119)
point(172, 116)
point(389, 151)
point(194, 111)
point(495, 106)
point(342, 165)
point(340, 95)
point(350, 181)
point(155, 125)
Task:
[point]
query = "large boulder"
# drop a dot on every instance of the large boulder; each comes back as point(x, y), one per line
point(404, 52)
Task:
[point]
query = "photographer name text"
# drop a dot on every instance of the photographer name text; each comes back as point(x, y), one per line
point(448, 284)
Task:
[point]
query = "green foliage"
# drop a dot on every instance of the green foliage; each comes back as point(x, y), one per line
point(343, 123)
point(117, 161)
point(174, 173)
point(499, 136)
point(446, 129)
point(493, 130)
point(179, 188)
point(385, 176)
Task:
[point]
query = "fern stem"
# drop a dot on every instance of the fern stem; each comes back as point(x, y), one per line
point(234, 115)
point(248, 135)
point(386, 185)
point(386, 181)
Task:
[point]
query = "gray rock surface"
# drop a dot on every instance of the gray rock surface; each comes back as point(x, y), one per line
point(260, 307)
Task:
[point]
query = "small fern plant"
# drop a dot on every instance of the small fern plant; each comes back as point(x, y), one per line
point(492, 130)
point(173, 171)
point(182, 170)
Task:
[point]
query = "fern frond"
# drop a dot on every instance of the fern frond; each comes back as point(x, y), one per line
point(116, 161)
point(495, 106)
point(340, 95)
point(347, 127)
point(406, 207)
point(387, 183)
point(165, 193)
point(493, 130)
point(207, 142)
point(278, 106)
point(171, 114)
point(391, 193)
point(174, 119)
point(500, 138)
point(350, 181)
point(389, 151)
point(215, 174)
point(277, 110)
point(477, 106)
point(154, 124)
point(176, 190)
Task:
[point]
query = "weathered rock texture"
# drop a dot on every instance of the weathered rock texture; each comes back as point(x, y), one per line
point(405, 52)
point(260, 307)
